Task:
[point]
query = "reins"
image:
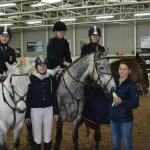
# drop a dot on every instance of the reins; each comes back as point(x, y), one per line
point(12, 95)
point(95, 83)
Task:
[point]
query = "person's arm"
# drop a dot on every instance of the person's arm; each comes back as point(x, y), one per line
point(55, 100)
point(54, 96)
point(68, 58)
point(28, 102)
point(13, 54)
point(84, 50)
point(132, 100)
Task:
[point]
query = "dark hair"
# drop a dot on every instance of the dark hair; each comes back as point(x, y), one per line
point(126, 63)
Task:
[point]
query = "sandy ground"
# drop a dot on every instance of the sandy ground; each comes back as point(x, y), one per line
point(141, 132)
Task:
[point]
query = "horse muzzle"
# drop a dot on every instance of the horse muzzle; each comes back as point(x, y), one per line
point(21, 107)
point(21, 111)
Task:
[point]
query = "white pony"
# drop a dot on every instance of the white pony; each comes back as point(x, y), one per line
point(13, 90)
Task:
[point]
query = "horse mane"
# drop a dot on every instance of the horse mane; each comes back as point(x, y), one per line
point(79, 58)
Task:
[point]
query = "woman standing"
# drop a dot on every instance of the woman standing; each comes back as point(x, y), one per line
point(42, 104)
point(121, 115)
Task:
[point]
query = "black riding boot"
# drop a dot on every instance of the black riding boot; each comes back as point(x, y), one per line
point(47, 146)
point(37, 146)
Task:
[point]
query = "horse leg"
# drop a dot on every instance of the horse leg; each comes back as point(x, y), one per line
point(3, 143)
point(75, 127)
point(17, 131)
point(97, 136)
point(58, 138)
point(88, 136)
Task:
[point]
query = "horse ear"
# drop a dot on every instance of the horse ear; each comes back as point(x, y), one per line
point(30, 68)
point(137, 55)
point(9, 67)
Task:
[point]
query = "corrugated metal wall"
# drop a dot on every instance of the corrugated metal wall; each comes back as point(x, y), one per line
point(117, 37)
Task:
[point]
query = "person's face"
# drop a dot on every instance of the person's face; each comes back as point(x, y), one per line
point(42, 68)
point(124, 71)
point(95, 38)
point(4, 38)
point(60, 34)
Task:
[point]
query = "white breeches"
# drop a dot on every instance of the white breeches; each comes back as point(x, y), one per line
point(42, 120)
point(54, 71)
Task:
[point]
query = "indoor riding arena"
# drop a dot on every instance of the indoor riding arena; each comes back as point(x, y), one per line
point(111, 29)
point(141, 132)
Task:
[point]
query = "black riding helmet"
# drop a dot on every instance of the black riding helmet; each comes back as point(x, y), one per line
point(59, 26)
point(94, 30)
point(5, 30)
point(41, 60)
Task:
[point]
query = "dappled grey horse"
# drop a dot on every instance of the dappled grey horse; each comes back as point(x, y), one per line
point(13, 90)
point(70, 91)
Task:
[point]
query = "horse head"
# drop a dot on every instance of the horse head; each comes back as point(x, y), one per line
point(101, 72)
point(17, 84)
point(138, 74)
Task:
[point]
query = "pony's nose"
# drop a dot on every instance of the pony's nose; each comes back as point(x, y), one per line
point(21, 111)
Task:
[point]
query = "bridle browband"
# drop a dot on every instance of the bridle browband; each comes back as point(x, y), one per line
point(12, 95)
point(99, 73)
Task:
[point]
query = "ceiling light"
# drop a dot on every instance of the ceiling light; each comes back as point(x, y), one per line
point(104, 17)
point(122, 1)
point(68, 19)
point(50, 1)
point(1, 13)
point(6, 24)
point(34, 22)
point(13, 17)
point(8, 5)
point(142, 14)
point(38, 4)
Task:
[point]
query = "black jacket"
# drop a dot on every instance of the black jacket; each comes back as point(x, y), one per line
point(7, 54)
point(41, 94)
point(92, 47)
point(57, 52)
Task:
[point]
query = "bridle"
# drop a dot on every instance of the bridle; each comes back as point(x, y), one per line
point(12, 95)
point(98, 82)
point(138, 84)
point(99, 73)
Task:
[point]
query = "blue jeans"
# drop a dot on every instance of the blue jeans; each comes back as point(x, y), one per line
point(122, 130)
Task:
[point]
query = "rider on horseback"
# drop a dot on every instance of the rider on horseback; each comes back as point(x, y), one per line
point(95, 110)
point(58, 51)
point(7, 54)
